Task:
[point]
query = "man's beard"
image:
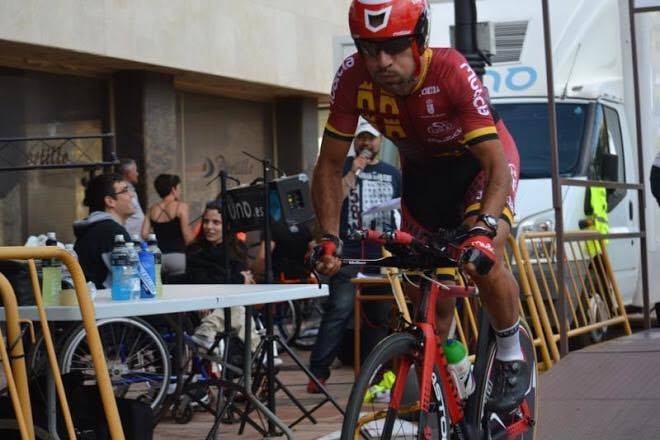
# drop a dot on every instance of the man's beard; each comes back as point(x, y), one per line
point(400, 88)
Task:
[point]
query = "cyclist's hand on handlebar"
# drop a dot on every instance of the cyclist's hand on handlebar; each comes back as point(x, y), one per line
point(477, 251)
point(324, 258)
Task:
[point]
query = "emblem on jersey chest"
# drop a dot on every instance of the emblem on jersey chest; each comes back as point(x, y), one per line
point(430, 109)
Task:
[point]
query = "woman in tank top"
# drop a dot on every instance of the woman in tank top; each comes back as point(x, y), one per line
point(169, 221)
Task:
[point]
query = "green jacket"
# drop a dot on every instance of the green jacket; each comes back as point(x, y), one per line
point(595, 208)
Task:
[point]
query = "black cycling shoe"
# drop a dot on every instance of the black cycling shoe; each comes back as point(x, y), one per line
point(511, 383)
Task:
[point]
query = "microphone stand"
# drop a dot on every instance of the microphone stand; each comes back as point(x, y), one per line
point(268, 411)
point(273, 384)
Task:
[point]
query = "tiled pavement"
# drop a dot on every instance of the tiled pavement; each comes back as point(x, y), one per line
point(606, 391)
point(328, 418)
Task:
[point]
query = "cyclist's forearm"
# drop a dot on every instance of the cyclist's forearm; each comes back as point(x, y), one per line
point(327, 196)
point(496, 191)
point(493, 162)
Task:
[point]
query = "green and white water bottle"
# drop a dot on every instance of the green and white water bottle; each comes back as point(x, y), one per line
point(51, 283)
point(459, 367)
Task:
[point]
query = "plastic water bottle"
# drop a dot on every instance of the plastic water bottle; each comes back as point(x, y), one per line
point(137, 242)
point(121, 276)
point(133, 274)
point(51, 275)
point(158, 262)
point(459, 367)
point(147, 272)
point(67, 279)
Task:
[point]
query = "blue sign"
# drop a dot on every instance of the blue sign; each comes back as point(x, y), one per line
point(516, 79)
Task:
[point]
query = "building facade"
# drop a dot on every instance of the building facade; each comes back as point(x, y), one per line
point(183, 87)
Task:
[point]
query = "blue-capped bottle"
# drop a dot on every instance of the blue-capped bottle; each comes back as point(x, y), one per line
point(133, 273)
point(147, 272)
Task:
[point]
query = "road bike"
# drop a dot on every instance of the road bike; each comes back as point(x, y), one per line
point(405, 389)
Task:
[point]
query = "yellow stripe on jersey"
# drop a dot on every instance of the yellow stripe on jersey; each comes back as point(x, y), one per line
point(478, 133)
point(448, 271)
point(474, 209)
point(426, 62)
point(333, 130)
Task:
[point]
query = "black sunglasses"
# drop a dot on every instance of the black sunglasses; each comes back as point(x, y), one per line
point(392, 46)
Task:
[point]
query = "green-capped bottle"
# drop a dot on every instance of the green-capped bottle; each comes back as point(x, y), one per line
point(459, 367)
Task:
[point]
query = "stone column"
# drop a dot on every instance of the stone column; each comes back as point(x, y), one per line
point(296, 122)
point(146, 126)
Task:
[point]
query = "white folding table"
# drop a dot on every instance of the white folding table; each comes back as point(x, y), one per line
point(178, 298)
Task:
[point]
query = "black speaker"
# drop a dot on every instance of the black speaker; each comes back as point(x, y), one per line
point(290, 203)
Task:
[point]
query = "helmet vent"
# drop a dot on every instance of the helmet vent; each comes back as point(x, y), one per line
point(377, 20)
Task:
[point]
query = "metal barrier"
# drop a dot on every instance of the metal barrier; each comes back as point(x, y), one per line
point(528, 305)
point(467, 328)
point(15, 372)
point(89, 323)
point(592, 295)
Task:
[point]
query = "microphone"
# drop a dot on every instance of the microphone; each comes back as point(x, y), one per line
point(367, 154)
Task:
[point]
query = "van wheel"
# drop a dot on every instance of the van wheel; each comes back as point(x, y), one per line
point(597, 311)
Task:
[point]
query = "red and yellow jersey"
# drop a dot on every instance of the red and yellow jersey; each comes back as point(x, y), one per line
point(447, 110)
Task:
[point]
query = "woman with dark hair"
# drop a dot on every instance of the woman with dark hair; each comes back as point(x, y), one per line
point(205, 264)
point(205, 256)
point(169, 220)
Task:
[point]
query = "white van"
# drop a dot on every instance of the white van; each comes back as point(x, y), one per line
point(595, 123)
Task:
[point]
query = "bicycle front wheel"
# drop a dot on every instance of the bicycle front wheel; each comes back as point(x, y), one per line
point(518, 424)
point(382, 407)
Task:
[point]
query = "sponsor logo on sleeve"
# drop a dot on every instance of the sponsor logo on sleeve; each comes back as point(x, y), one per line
point(479, 100)
point(346, 65)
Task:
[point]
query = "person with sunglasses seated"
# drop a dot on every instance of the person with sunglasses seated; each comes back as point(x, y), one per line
point(110, 201)
point(460, 165)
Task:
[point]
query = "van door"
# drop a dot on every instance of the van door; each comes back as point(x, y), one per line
point(608, 162)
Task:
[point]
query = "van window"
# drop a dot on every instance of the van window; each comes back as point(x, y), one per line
point(607, 159)
point(528, 124)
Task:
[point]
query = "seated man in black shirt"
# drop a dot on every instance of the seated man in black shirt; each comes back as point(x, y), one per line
point(655, 178)
point(110, 201)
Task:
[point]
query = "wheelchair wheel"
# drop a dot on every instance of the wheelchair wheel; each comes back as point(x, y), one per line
point(286, 317)
point(137, 358)
point(310, 312)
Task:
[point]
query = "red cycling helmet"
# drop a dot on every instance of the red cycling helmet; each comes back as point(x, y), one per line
point(377, 19)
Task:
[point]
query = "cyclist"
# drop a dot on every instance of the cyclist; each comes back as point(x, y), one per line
point(460, 165)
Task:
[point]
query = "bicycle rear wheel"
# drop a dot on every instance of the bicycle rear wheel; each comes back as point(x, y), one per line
point(520, 423)
point(378, 409)
point(136, 355)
